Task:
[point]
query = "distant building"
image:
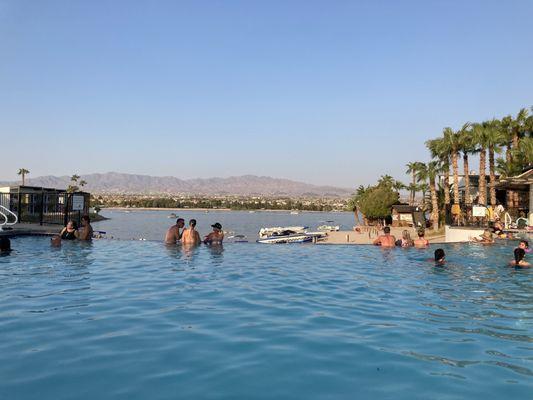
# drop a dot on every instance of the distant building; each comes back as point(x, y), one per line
point(407, 216)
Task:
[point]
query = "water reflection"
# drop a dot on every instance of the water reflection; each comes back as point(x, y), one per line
point(216, 251)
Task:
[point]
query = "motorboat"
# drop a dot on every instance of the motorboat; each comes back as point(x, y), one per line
point(294, 212)
point(286, 236)
point(266, 232)
point(172, 215)
point(329, 226)
point(238, 238)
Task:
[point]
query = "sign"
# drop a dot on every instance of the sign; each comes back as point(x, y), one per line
point(77, 203)
point(479, 211)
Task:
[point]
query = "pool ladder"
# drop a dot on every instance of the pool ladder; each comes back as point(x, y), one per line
point(3, 211)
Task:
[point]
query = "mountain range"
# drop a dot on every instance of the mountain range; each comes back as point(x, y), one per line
point(246, 185)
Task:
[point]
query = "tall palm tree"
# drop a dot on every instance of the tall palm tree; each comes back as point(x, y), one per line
point(478, 135)
point(23, 172)
point(440, 152)
point(507, 124)
point(429, 173)
point(412, 169)
point(519, 126)
point(466, 145)
point(451, 146)
point(494, 138)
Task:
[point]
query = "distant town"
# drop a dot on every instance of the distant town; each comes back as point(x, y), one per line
point(219, 202)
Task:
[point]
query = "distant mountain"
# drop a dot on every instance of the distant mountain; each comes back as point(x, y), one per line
point(247, 185)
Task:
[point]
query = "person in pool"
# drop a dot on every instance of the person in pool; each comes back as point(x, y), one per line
point(385, 240)
point(519, 255)
point(421, 242)
point(485, 238)
point(174, 233)
point(87, 230)
point(524, 245)
point(406, 240)
point(5, 245)
point(191, 235)
point(215, 237)
point(70, 232)
point(440, 256)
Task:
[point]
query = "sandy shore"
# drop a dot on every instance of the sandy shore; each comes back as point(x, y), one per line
point(368, 236)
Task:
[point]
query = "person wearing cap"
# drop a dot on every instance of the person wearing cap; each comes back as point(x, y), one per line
point(173, 233)
point(485, 238)
point(215, 237)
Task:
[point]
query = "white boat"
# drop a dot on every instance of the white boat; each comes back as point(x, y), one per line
point(294, 213)
point(276, 230)
point(286, 237)
point(329, 226)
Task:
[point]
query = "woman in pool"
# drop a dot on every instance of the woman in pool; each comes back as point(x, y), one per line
point(215, 237)
point(519, 261)
point(421, 242)
point(524, 245)
point(485, 238)
point(406, 240)
point(70, 232)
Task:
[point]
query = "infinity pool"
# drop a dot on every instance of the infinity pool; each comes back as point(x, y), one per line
point(138, 320)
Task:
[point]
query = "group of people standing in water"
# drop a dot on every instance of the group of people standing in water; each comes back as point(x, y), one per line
point(178, 233)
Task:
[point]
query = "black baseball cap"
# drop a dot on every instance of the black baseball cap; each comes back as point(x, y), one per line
point(216, 225)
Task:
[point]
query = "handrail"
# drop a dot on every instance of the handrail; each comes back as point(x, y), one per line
point(507, 220)
point(5, 216)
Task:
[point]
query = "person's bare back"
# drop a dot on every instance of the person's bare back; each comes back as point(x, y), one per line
point(386, 240)
point(191, 235)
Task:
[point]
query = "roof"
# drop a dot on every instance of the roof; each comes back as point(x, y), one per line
point(525, 178)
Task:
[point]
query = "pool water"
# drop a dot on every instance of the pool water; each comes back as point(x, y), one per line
point(139, 320)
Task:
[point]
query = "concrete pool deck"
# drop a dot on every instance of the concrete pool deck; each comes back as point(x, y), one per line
point(27, 229)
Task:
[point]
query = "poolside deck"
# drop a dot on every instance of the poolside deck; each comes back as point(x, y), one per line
point(368, 236)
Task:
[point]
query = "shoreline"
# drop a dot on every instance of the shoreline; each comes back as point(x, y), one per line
point(211, 209)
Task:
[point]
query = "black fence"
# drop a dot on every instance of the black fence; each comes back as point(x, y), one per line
point(46, 207)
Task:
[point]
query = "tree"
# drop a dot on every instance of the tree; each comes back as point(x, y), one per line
point(466, 145)
point(412, 169)
point(23, 172)
point(73, 187)
point(429, 173)
point(353, 204)
point(376, 201)
point(493, 140)
point(478, 134)
point(450, 145)
point(440, 152)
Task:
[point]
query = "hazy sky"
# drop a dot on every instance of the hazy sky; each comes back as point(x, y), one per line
point(327, 92)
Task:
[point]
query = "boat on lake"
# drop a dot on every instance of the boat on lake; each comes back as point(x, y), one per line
point(329, 226)
point(287, 234)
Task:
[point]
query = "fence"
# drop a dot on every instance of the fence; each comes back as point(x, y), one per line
point(47, 207)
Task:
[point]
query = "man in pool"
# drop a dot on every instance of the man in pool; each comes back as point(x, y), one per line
point(385, 240)
point(191, 235)
point(440, 256)
point(5, 245)
point(421, 242)
point(215, 237)
point(86, 232)
point(174, 233)
point(519, 261)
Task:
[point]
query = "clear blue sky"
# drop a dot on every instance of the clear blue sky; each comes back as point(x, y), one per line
point(327, 92)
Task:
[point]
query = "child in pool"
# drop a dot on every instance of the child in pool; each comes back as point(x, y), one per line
point(519, 261)
point(524, 245)
point(440, 256)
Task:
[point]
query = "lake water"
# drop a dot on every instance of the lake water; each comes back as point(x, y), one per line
point(140, 320)
point(152, 225)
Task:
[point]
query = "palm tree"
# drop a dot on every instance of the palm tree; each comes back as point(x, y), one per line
point(451, 146)
point(412, 169)
point(478, 135)
point(429, 173)
point(466, 145)
point(494, 138)
point(439, 151)
point(519, 126)
point(353, 203)
point(23, 172)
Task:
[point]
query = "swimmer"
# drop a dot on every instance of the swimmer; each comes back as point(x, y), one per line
point(406, 240)
point(524, 245)
point(385, 240)
point(5, 245)
point(440, 256)
point(173, 233)
point(87, 230)
point(519, 261)
point(55, 241)
point(215, 237)
point(485, 238)
point(70, 232)
point(421, 242)
point(191, 235)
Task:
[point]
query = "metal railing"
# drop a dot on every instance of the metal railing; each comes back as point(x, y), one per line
point(45, 207)
point(3, 211)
